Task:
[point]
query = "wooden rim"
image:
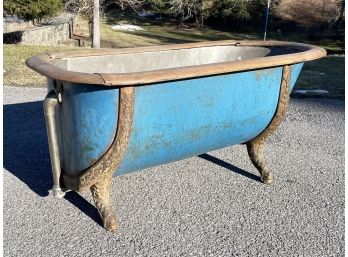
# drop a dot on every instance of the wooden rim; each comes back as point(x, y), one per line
point(43, 63)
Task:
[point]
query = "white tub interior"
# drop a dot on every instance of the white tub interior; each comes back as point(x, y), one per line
point(149, 61)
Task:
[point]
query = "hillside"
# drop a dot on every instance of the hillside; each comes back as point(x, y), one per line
point(306, 12)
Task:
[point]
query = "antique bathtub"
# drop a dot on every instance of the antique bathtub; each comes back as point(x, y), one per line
point(114, 111)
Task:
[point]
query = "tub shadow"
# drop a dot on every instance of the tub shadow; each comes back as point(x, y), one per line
point(229, 166)
point(26, 153)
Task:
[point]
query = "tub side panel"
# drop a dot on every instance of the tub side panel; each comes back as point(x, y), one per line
point(295, 72)
point(180, 119)
point(89, 122)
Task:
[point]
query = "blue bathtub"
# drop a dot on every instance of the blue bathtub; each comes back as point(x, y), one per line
point(112, 112)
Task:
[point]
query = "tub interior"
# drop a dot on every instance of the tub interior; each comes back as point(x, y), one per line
point(157, 60)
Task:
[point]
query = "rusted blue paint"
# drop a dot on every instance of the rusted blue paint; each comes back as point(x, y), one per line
point(89, 122)
point(172, 120)
point(179, 119)
point(295, 72)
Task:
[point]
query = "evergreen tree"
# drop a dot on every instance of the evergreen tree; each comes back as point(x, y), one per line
point(33, 9)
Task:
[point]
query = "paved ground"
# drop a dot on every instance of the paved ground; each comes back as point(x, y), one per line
point(202, 206)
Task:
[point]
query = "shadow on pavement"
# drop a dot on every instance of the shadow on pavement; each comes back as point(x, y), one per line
point(26, 153)
point(229, 166)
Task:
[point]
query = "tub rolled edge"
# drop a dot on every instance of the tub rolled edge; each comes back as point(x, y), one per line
point(43, 63)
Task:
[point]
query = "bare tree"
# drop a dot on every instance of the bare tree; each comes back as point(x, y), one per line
point(82, 7)
point(134, 4)
point(203, 8)
point(183, 9)
point(79, 6)
point(91, 8)
point(338, 20)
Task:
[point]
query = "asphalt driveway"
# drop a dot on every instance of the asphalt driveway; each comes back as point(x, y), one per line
point(211, 205)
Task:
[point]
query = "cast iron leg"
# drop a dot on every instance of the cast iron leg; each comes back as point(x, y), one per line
point(101, 195)
point(255, 146)
point(255, 151)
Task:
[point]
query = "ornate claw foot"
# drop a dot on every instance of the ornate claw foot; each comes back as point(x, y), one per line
point(255, 146)
point(101, 196)
point(98, 177)
point(255, 151)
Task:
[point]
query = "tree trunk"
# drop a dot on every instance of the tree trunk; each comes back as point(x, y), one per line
point(337, 22)
point(201, 25)
point(322, 11)
point(181, 20)
point(201, 16)
point(197, 21)
point(90, 26)
point(339, 19)
point(96, 29)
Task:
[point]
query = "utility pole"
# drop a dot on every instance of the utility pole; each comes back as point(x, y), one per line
point(96, 29)
point(266, 23)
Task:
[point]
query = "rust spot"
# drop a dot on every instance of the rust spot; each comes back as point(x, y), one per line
point(259, 74)
point(192, 136)
point(226, 125)
point(248, 122)
point(94, 160)
point(89, 148)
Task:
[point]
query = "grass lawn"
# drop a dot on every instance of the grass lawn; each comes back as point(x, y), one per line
point(16, 73)
point(166, 32)
point(155, 32)
point(327, 73)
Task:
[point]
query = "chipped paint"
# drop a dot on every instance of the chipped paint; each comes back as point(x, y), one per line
point(179, 119)
point(173, 120)
point(259, 74)
point(88, 124)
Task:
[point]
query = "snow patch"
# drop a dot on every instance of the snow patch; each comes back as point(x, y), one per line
point(316, 91)
point(126, 27)
point(144, 13)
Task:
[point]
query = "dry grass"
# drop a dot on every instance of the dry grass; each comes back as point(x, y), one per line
point(326, 73)
point(306, 12)
point(166, 32)
point(155, 33)
point(16, 73)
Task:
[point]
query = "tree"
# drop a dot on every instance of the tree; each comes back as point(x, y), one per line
point(240, 10)
point(203, 11)
point(182, 9)
point(338, 20)
point(134, 4)
point(32, 9)
point(83, 7)
point(90, 8)
point(200, 10)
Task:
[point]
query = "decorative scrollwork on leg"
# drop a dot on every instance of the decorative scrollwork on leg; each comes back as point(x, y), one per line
point(101, 193)
point(98, 177)
point(256, 155)
point(109, 162)
point(255, 146)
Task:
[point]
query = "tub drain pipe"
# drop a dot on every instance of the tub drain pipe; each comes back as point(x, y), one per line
point(50, 103)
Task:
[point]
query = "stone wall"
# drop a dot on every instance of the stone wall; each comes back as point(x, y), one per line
point(12, 26)
point(47, 35)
